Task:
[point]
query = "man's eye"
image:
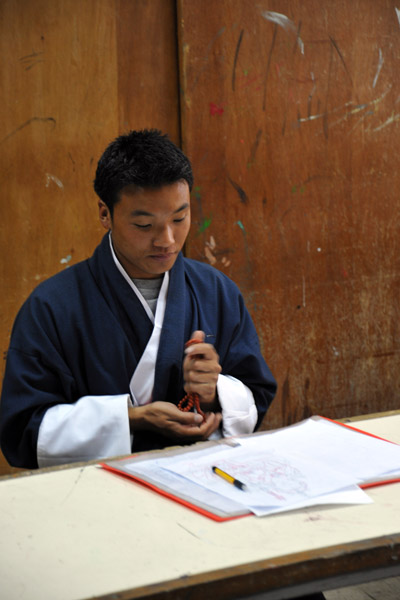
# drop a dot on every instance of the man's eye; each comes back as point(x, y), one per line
point(142, 226)
point(180, 220)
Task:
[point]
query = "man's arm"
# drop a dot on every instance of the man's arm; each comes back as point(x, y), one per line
point(94, 427)
point(38, 427)
point(202, 375)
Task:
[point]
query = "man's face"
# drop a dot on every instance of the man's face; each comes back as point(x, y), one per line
point(149, 227)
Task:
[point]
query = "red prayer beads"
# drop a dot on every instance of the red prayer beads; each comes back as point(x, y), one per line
point(192, 399)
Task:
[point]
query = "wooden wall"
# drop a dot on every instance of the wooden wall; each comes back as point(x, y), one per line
point(75, 74)
point(291, 116)
point(289, 111)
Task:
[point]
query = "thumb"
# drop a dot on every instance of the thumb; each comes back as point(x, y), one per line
point(198, 335)
point(190, 418)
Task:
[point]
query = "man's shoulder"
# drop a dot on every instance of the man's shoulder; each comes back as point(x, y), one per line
point(61, 285)
point(208, 274)
point(52, 302)
point(72, 277)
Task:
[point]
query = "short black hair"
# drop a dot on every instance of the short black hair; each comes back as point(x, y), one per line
point(146, 158)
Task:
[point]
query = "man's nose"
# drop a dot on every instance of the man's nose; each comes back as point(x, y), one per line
point(164, 237)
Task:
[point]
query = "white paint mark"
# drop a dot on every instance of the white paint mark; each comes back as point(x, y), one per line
point(65, 261)
point(284, 22)
point(210, 256)
point(320, 115)
point(392, 119)
point(335, 351)
point(279, 19)
point(381, 97)
point(361, 119)
point(354, 110)
point(304, 291)
point(310, 118)
point(58, 182)
point(318, 249)
point(398, 14)
point(211, 244)
point(314, 86)
point(378, 70)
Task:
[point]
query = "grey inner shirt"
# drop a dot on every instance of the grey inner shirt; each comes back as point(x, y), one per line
point(149, 288)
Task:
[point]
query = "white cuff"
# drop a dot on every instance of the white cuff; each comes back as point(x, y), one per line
point(94, 427)
point(239, 412)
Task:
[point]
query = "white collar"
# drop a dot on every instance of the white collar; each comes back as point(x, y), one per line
point(162, 297)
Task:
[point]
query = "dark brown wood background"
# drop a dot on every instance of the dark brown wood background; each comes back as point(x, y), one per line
point(290, 114)
point(289, 111)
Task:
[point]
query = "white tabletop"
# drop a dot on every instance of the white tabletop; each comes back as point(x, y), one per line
point(80, 532)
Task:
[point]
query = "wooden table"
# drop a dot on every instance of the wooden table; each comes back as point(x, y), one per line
point(80, 532)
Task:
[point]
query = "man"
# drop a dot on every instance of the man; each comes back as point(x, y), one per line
point(97, 363)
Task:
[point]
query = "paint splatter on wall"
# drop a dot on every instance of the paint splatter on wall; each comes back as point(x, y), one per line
point(213, 256)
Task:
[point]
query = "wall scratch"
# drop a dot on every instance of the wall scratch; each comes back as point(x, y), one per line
point(28, 122)
point(286, 24)
point(268, 68)
point(378, 70)
point(236, 58)
point(334, 44)
point(241, 193)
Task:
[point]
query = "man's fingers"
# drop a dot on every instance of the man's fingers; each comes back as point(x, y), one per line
point(201, 432)
point(187, 418)
point(198, 335)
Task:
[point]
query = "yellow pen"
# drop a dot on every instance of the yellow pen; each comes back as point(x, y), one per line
point(229, 478)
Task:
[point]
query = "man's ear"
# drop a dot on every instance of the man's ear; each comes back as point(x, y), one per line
point(104, 215)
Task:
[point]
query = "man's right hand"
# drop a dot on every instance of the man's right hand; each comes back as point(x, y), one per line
point(166, 418)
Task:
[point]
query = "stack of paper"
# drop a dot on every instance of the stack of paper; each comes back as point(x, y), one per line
point(313, 462)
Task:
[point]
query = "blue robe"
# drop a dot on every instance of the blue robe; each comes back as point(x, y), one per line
point(82, 332)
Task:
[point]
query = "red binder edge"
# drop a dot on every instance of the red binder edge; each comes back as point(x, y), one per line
point(219, 519)
point(371, 484)
point(159, 490)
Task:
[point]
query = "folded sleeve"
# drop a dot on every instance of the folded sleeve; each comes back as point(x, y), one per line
point(239, 412)
point(94, 427)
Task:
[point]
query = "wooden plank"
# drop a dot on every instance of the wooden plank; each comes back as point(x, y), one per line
point(148, 91)
point(61, 111)
point(76, 74)
point(283, 577)
point(60, 117)
point(289, 112)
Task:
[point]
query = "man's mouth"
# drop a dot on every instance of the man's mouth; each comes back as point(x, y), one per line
point(163, 257)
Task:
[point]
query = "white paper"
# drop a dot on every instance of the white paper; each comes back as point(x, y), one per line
point(151, 471)
point(313, 462)
point(295, 466)
point(335, 445)
point(273, 479)
point(350, 495)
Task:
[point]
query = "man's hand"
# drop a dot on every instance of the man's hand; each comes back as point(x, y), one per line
point(166, 418)
point(200, 372)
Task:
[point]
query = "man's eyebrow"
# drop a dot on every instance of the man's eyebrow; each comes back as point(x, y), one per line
point(145, 213)
point(141, 213)
point(183, 207)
